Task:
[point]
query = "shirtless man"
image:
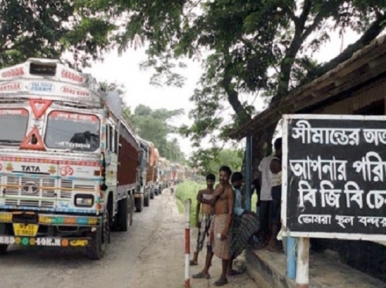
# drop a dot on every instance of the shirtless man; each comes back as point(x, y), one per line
point(203, 217)
point(223, 200)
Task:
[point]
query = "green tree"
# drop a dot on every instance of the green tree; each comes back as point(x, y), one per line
point(210, 160)
point(48, 28)
point(152, 125)
point(246, 46)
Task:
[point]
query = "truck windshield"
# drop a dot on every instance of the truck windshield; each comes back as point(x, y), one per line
point(74, 131)
point(13, 125)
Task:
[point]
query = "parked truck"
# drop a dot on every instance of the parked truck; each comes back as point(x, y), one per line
point(151, 169)
point(128, 175)
point(67, 160)
point(156, 179)
point(142, 196)
point(163, 165)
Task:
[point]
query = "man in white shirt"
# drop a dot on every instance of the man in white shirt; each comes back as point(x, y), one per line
point(265, 202)
point(275, 167)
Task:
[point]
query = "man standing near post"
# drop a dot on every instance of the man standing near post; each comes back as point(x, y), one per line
point(204, 216)
point(223, 201)
point(265, 201)
point(275, 167)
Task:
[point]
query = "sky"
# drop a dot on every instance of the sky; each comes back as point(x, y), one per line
point(125, 69)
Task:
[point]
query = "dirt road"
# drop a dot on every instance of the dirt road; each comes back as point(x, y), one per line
point(150, 254)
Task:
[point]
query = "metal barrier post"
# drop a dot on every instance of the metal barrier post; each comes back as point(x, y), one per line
point(187, 243)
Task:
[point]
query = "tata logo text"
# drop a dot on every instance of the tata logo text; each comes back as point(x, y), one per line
point(27, 168)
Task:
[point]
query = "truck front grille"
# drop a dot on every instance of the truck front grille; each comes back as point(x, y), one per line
point(40, 191)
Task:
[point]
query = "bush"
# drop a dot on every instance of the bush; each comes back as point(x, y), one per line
point(186, 190)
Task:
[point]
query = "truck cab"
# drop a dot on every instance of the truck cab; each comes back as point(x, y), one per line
point(59, 159)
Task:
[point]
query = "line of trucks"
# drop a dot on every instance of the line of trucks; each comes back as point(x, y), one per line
point(71, 168)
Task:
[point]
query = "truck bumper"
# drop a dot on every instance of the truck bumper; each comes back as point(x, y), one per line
point(49, 219)
point(45, 241)
point(26, 226)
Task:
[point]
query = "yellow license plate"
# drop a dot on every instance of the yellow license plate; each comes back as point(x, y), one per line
point(25, 229)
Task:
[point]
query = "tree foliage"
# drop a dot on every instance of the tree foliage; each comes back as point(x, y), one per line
point(246, 46)
point(48, 28)
point(210, 160)
point(153, 125)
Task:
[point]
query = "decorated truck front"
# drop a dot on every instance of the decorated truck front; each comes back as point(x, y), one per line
point(174, 169)
point(156, 169)
point(58, 158)
point(142, 196)
point(162, 165)
point(152, 171)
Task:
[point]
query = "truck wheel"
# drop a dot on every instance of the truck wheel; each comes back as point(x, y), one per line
point(99, 239)
point(3, 248)
point(152, 194)
point(131, 209)
point(147, 200)
point(138, 205)
point(122, 215)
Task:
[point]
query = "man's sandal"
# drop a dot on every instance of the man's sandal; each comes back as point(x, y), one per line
point(221, 282)
point(201, 275)
point(193, 263)
point(236, 272)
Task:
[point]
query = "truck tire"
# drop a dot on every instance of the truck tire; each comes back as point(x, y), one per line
point(138, 205)
point(97, 247)
point(3, 247)
point(123, 216)
point(131, 209)
point(146, 201)
point(152, 194)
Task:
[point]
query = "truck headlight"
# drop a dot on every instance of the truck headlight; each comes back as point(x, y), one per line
point(84, 200)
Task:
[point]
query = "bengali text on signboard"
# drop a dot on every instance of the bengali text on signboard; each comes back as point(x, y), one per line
point(334, 176)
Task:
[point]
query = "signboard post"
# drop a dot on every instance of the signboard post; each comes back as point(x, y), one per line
point(334, 178)
point(248, 171)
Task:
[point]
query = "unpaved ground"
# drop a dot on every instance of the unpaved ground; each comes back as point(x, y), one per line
point(150, 254)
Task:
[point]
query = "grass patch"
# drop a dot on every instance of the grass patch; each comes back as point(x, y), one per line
point(184, 191)
point(189, 189)
point(180, 206)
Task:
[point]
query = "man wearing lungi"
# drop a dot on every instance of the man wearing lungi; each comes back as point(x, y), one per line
point(223, 200)
point(244, 225)
point(203, 217)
